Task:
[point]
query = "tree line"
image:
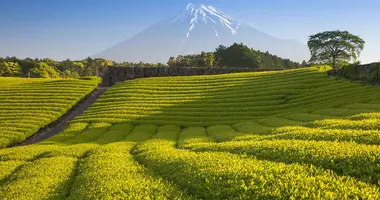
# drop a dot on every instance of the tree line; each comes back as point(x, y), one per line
point(236, 55)
point(48, 68)
point(335, 48)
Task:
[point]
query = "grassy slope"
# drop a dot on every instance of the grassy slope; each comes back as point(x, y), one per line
point(26, 105)
point(276, 135)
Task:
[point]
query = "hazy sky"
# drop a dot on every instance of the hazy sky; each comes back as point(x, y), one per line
point(75, 29)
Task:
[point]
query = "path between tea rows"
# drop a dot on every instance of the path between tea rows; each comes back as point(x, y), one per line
point(60, 124)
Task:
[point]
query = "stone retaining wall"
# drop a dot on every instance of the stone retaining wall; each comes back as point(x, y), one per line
point(361, 70)
point(118, 74)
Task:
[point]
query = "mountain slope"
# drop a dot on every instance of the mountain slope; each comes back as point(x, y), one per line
point(198, 28)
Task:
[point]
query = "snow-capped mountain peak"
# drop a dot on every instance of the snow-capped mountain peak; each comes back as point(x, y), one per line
point(197, 28)
point(195, 14)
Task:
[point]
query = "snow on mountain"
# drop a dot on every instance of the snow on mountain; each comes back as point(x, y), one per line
point(205, 14)
point(198, 28)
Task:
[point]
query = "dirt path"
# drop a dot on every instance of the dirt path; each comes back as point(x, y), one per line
point(60, 124)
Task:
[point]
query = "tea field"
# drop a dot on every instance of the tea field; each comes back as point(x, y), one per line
point(294, 134)
point(26, 105)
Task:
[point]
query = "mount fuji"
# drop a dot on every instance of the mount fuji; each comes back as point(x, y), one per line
point(198, 28)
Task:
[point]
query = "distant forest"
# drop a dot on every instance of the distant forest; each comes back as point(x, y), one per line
point(237, 55)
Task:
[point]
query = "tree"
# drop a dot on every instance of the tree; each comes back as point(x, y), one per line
point(27, 64)
point(332, 47)
point(100, 65)
point(220, 52)
point(304, 63)
point(43, 70)
point(50, 62)
point(172, 62)
point(9, 69)
point(237, 55)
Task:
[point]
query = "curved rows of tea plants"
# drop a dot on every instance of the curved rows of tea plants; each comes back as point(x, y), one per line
point(26, 105)
point(273, 99)
point(166, 162)
point(294, 134)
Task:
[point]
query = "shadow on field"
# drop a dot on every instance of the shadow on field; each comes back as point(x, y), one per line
point(271, 100)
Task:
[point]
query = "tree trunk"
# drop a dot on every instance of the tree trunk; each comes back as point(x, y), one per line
point(333, 62)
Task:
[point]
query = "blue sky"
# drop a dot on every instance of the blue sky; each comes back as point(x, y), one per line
point(75, 29)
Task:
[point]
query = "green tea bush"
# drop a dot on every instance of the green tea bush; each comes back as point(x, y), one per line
point(47, 178)
point(292, 134)
point(27, 105)
point(212, 175)
point(110, 172)
point(345, 158)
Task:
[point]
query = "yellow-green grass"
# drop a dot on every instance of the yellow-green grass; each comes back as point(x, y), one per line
point(295, 134)
point(27, 105)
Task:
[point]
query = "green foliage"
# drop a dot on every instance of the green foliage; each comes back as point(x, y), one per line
point(93, 132)
point(170, 132)
point(354, 72)
point(277, 122)
point(351, 71)
point(219, 175)
point(8, 167)
point(47, 178)
point(110, 172)
point(338, 112)
point(192, 135)
point(92, 78)
point(318, 134)
point(374, 76)
point(344, 158)
point(141, 133)
point(268, 98)
point(48, 68)
point(9, 69)
point(294, 134)
point(71, 131)
point(365, 124)
point(270, 61)
point(43, 70)
point(35, 152)
point(116, 133)
point(306, 117)
point(252, 127)
point(222, 132)
point(26, 105)
point(237, 55)
point(334, 47)
point(195, 60)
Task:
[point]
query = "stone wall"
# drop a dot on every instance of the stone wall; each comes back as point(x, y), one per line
point(368, 72)
point(118, 74)
point(361, 69)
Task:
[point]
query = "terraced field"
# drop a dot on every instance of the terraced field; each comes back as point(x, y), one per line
point(295, 134)
point(26, 105)
point(270, 98)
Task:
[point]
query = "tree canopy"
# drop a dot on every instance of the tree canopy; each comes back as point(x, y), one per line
point(46, 67)
point(43, 70)
point(9, 69)
point(237, 55)
point(334, 47)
